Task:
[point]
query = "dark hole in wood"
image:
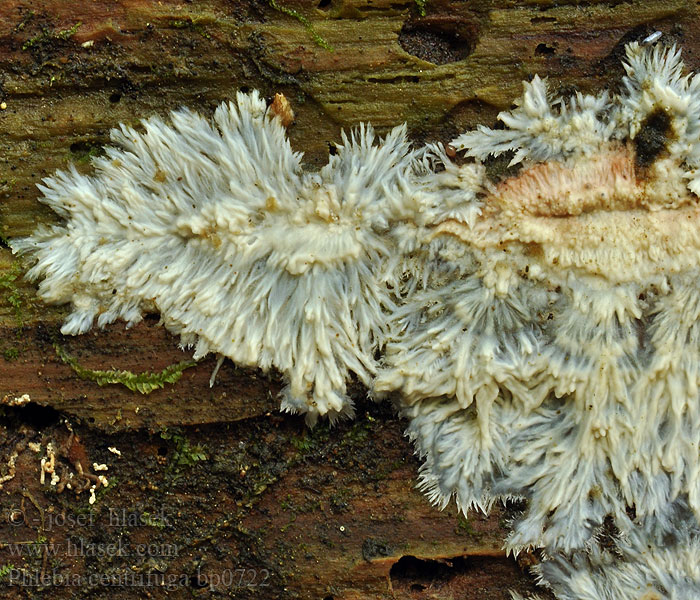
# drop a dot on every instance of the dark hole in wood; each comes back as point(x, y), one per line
point(421, 571)
point(544, 50)
point(439, 39)
point(35, 415)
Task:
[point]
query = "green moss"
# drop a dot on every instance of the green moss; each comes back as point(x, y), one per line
point(359, 432)
point(48, 35)
point(339, 501)
point(10, 354)
point(10, 292)
point(143, 383)
point(5, 570)
point(302, 444)
point(305, 22)
point(70, 32)
point(465, 527)
point(312, 440)
point(84, 151)
point(421, 4)
point(30, 43)
point(23, 23)
point(151, 520)
point(287, 504)
point(185, 454)
point(103, 490)
point(195, 24)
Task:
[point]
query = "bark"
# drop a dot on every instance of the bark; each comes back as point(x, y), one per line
point(237, 488)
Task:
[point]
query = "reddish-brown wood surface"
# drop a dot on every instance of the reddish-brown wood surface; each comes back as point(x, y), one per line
point(230, 498)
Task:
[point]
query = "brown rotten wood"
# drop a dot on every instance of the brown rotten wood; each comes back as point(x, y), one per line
point(324, 514)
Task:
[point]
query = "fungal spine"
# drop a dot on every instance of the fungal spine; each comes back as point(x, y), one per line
point(540, 332)
point(215, 226)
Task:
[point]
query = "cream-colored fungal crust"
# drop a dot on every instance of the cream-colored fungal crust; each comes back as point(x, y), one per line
point(589, 215)
point(553, 351)
point(540, 331)
point(214, 225)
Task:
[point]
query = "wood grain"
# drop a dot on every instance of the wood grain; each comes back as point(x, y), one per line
point(328, 514)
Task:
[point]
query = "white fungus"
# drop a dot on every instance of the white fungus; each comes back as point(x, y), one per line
point(541, 332)
point(215, 225)
point(562, 365)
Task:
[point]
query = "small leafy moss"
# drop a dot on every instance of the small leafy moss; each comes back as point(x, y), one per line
point(421, 4)
point(10, 354)
point(303, 444)
point(287, 503)
point(68, 33)
point(26, 19)
point(5, 570)
point(311, 440)
point(143, 383)
point(185, 454)
point(151, 520)
point(320, 41)
point(47, 35)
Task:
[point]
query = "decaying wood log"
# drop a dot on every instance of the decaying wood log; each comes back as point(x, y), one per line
point(243, 501)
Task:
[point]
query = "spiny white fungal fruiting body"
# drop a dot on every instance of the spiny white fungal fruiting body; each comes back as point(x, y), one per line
point(215, 225)
point(657, 560)
point(560, 360)
point(540, 331)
